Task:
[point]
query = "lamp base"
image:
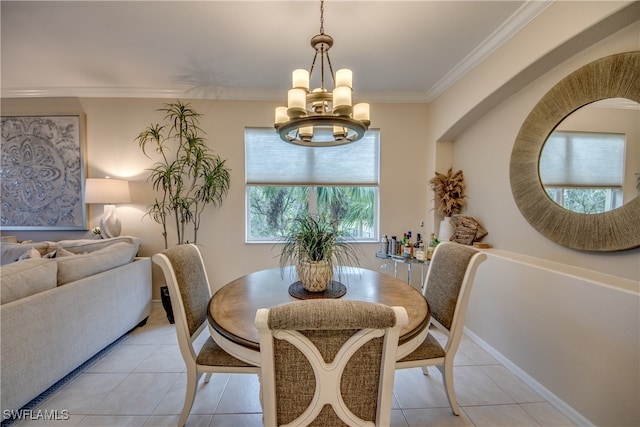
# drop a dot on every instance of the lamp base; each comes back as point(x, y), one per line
point(110, 225)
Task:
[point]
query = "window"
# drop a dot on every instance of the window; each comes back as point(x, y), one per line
point(583, 171)
point(284, 180)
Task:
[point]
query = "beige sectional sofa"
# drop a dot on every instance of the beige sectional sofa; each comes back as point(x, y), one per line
point(60, 304)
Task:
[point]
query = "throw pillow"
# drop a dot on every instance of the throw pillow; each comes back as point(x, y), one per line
point(11, 252)
point(25, 278)
point(61, 252)
point(82, 246)
point(32, 253)
point(78, 266)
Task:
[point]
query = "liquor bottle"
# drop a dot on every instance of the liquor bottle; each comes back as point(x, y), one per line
point(418, 249)
point(393, 246)
point(406, 250)
point(407, 246)
point(384, 245)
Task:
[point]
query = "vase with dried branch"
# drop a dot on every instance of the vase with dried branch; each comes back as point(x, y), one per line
point(449, 193)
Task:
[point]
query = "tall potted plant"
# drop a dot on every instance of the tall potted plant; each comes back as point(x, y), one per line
point(189, 176)
point(449, 193)
point(318, 249)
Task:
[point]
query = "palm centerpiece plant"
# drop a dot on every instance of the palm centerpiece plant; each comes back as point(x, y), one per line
point(318, 249)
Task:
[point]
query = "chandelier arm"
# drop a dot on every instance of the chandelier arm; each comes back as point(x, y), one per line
point(313, 63)
point(333, 77)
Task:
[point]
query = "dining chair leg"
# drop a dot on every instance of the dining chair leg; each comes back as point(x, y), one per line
point(192, 383)
point(425, 370)
point(447, 379)
point(207, 377)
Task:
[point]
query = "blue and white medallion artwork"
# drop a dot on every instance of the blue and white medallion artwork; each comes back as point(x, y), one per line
point(41, 173)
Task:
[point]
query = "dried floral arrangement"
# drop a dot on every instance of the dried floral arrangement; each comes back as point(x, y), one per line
point(449, 191)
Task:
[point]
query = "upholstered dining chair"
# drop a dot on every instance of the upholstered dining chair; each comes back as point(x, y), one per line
point(447, 288)
point(328, 362)
point(190, 293)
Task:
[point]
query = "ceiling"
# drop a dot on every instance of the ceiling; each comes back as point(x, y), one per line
point(399, 51)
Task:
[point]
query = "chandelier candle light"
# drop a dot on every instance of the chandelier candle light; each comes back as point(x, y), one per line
point(320, 118)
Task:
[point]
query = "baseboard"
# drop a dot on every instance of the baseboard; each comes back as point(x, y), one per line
point(566, 410)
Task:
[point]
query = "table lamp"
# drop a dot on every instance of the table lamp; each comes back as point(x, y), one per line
point(107, 191)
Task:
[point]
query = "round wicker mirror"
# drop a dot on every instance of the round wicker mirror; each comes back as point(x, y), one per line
point(616, 76)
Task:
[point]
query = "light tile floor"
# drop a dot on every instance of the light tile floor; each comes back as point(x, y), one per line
point(141, 382)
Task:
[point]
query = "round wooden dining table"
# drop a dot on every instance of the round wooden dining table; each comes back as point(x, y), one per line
point(232, 309)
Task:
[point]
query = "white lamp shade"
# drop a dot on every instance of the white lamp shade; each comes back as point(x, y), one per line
point(361, 111)
point(106, 191)
point(300, 79)
point(306, 132)
point(297, 98)
point(281, 115)
point(339, 132)
point(342, 96)
point(344, 77)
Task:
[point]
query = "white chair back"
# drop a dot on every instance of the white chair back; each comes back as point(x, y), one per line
point(328, 362)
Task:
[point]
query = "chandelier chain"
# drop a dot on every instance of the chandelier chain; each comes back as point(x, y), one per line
point(322, 17)
point(322, 67)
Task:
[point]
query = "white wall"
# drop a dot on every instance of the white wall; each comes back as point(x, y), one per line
point(576, 339)
point(113, 125)
point(568, 319)
point(483, 151)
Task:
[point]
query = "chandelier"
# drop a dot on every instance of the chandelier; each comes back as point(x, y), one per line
point(320, 118)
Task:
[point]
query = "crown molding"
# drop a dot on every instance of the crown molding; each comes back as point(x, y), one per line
point(91, 92)
point(520, 18)
point(190, 93)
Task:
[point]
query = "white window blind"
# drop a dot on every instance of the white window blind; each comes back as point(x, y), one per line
point(270, 161)
point(581, 159)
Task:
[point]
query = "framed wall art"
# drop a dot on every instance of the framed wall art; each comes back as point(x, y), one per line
point(42, 173)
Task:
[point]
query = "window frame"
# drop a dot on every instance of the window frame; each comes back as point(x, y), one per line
point(613, 197)
point(312, 201)
point(312, 191)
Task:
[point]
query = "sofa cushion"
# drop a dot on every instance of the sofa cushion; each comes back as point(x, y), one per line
point(28, 277)
point(77, 266)
point(82, 246)
point(62, 252)
point(33, 253)
point(11, 252)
